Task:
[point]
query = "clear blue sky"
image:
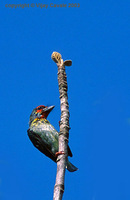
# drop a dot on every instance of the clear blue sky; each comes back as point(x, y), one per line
point(96, 38)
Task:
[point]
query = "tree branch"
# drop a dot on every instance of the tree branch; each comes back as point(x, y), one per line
point(64, 125)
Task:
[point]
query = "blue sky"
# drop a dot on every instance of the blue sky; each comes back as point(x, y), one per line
point(96, 37)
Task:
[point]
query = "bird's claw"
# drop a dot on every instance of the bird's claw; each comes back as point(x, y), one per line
point(59, 153)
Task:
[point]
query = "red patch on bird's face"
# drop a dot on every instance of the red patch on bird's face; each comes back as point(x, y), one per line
point(44, 115)
point(40, 107)
point(40, 110)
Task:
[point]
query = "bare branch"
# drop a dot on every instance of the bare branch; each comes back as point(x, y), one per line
point(64, 125)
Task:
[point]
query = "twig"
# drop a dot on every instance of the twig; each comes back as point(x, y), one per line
point(64, 125)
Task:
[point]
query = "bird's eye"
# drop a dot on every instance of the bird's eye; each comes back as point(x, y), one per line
point(40, 108)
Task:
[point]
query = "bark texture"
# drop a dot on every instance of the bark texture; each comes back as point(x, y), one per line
point(64, 126)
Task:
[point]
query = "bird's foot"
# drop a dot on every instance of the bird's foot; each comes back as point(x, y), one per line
point(59, 153)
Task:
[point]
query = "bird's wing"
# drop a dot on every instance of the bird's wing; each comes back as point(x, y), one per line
point(56, 135)
point(40, 144)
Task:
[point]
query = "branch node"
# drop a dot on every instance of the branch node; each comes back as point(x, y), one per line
point(61, 186)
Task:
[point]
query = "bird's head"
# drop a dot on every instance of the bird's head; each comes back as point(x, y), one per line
point(40, 112)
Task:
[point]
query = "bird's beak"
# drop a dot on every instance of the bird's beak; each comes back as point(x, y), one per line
point(48, 109)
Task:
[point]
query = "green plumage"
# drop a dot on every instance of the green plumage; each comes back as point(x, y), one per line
point(45, 137)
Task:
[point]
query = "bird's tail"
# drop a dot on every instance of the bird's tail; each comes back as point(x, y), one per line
point(70, 167)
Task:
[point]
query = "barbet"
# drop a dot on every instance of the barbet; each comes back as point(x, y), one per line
point(44, 136)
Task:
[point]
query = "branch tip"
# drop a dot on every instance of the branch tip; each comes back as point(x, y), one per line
point(56, 57)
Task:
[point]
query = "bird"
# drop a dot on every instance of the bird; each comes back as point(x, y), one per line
point(44, 136)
